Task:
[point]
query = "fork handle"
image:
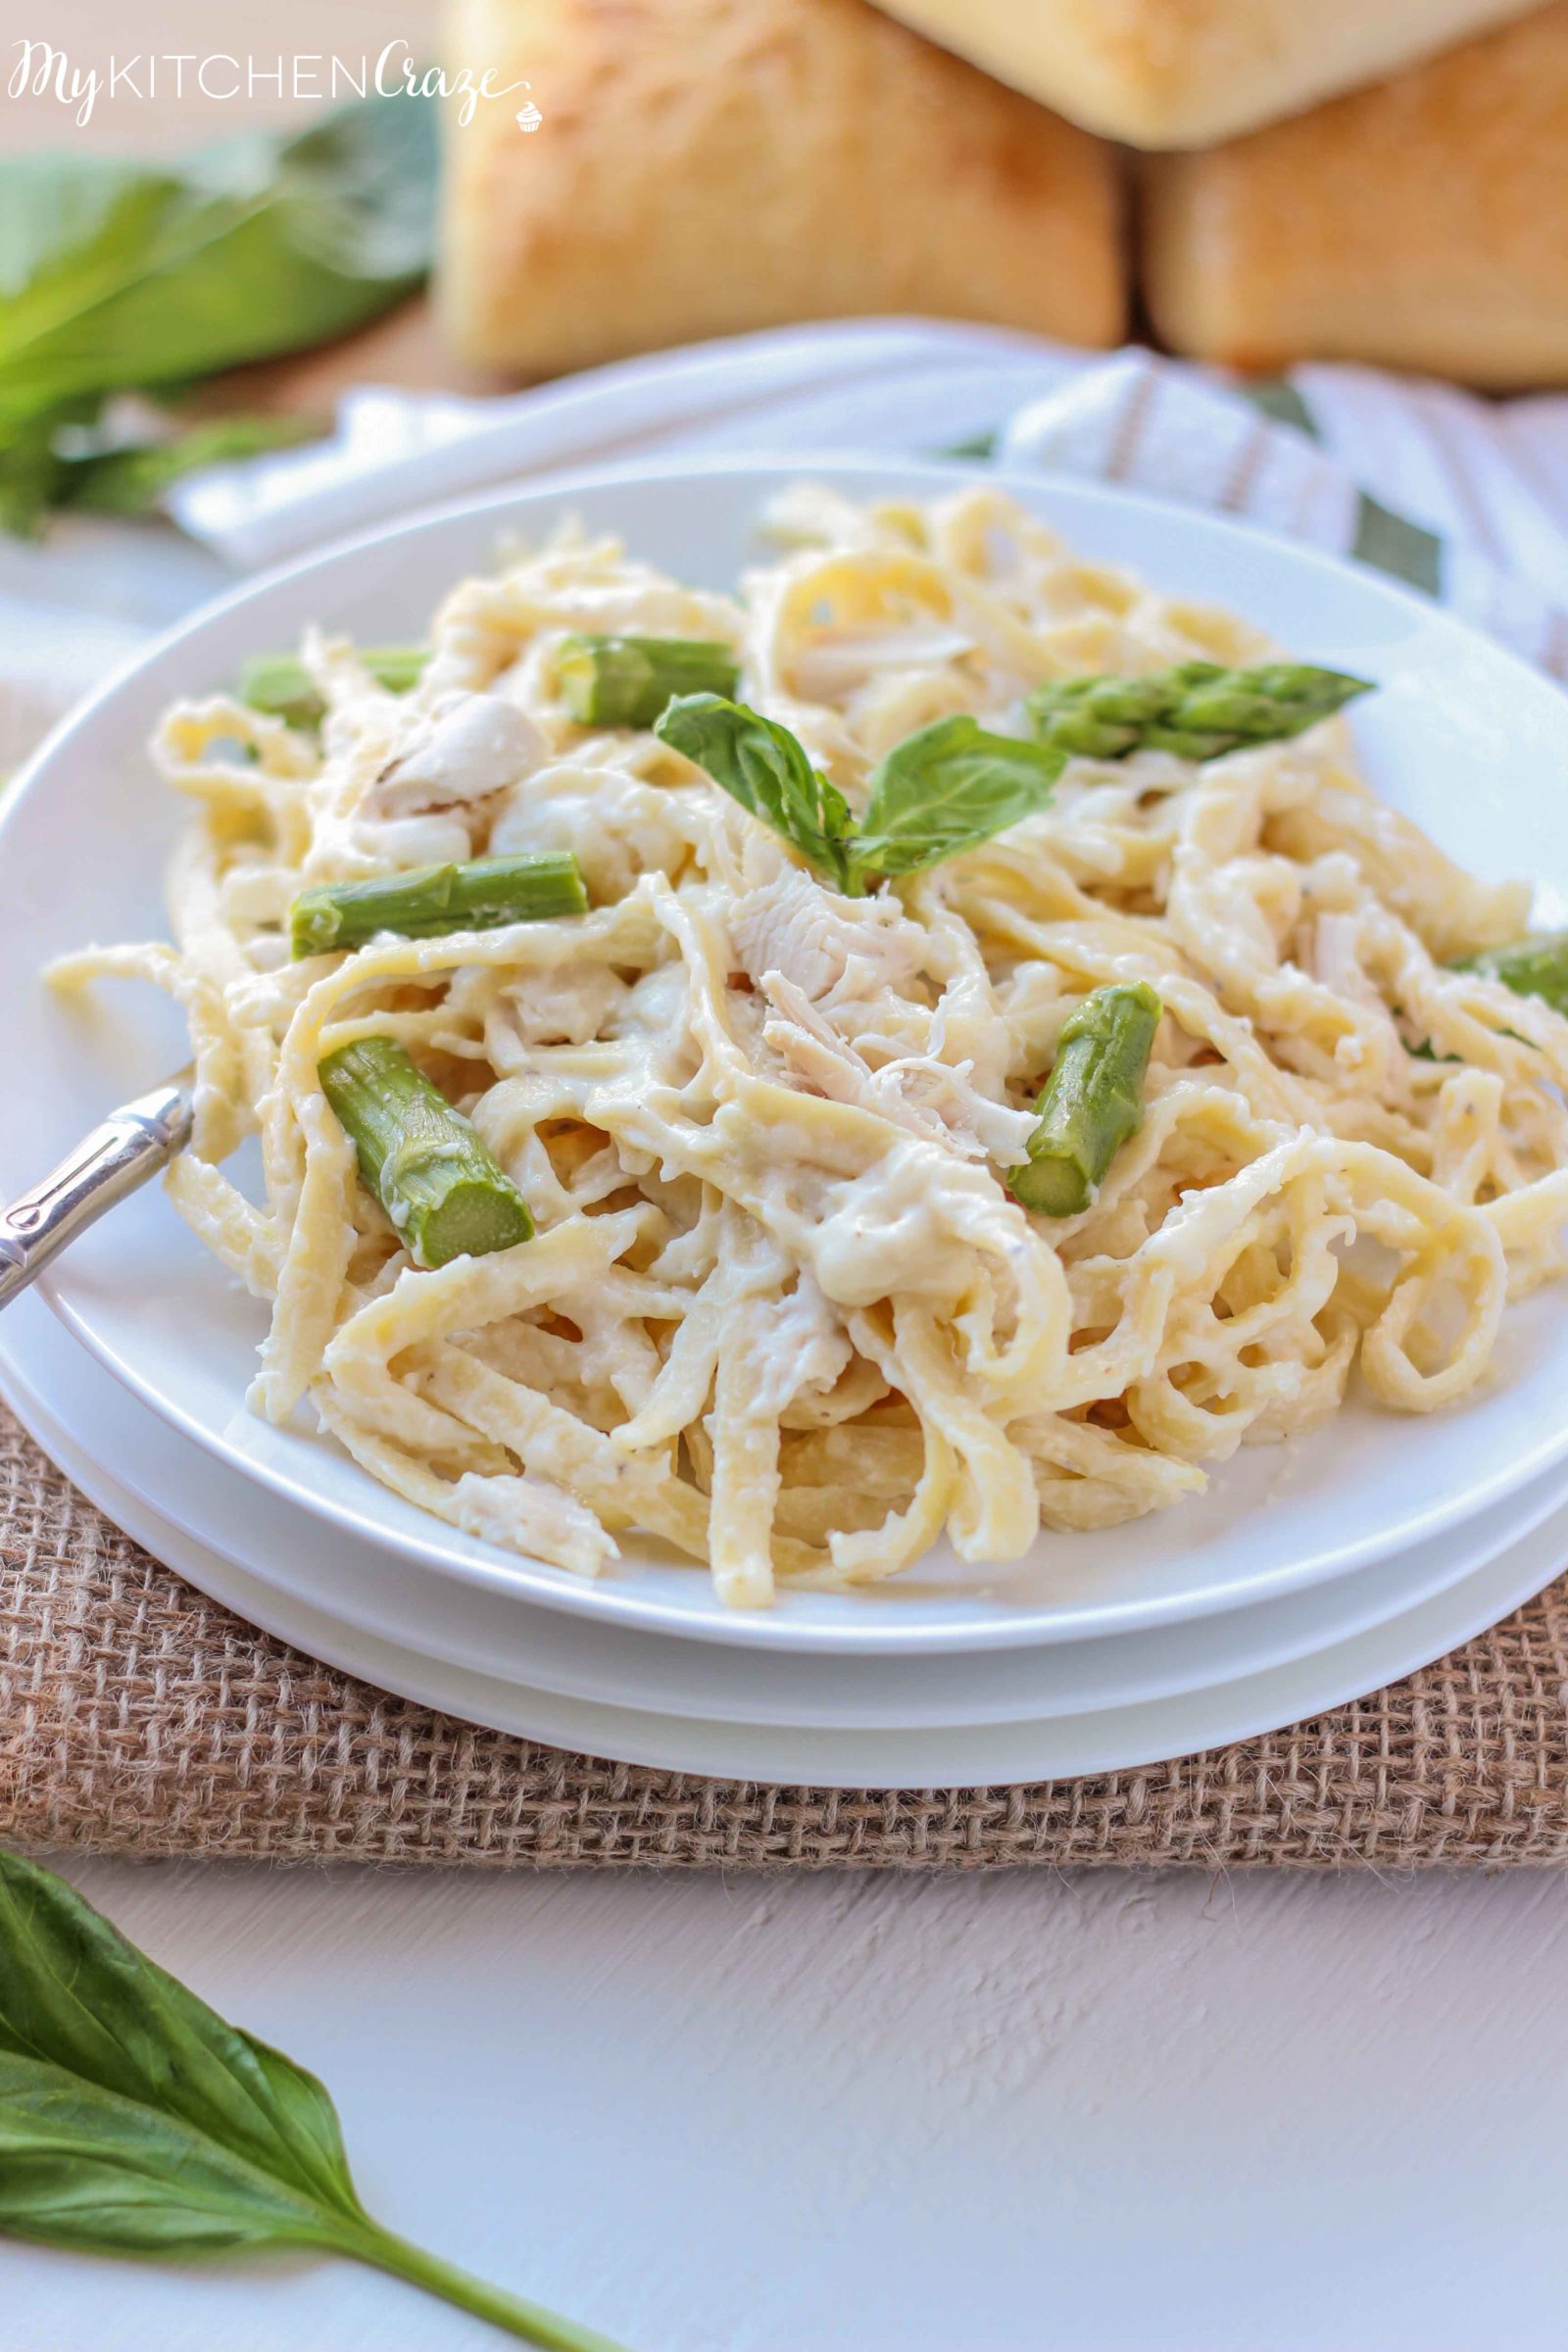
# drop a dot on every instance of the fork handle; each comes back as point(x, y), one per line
point(132, 1144)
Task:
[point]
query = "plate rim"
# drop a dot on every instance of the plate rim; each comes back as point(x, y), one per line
point(288, 1555)
point(431, 1682)
point(1008, 1627)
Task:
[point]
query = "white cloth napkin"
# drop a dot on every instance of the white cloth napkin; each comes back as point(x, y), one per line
point(1464, 498)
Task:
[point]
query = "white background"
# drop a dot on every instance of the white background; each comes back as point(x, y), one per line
point(872, 2114)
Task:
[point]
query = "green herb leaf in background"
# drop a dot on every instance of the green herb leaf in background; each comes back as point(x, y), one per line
point(131, 479)
point(119, 277)
point(134, 2120)
point(42, 471)
point(31, 472)
point(947, 787)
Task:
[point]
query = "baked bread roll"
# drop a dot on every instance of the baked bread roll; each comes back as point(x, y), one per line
point(1181, 72)
point(1420, 225)
point(704, 167)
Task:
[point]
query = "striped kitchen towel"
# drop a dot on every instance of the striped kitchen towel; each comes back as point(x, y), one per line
point(1488, 480)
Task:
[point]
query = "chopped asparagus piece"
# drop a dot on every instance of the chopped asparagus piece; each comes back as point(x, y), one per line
point(443, 1190)
point(1536, 966)
point(428, 900)
point(280, 684)
point(1198, 710)
point(626, 682)
point(1093, 1101)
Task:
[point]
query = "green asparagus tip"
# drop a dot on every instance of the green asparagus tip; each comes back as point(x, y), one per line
point(1198, 710)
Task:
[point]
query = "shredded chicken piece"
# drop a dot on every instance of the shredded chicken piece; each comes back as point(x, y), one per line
point(464, 748)
point(834, 949)
point(918, 1090)
point(616, 826)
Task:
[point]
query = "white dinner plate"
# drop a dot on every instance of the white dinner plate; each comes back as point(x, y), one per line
point(1465, 737)
point(949, 1754)
point(298, 1569)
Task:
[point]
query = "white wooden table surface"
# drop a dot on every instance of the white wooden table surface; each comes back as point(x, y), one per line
point(1155, 2114)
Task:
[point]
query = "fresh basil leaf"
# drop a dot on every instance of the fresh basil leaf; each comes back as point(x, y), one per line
point(764, 767)
point(30, 475)
point(75, 1993)
point(133, 2120)
point(947, 787)
point(941, 790)
point(116, 276)
point(133, 480)
point(80, 2168)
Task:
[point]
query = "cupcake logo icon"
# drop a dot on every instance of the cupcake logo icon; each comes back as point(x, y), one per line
point(529, 116)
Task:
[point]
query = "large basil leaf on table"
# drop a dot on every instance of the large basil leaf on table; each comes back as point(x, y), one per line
point(133, 2120)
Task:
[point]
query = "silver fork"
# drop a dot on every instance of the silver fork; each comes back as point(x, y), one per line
point(132, 1144)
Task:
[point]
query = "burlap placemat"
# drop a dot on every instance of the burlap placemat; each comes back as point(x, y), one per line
point(137, 1717)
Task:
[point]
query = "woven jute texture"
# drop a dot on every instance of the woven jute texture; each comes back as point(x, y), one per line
point(137, 1717)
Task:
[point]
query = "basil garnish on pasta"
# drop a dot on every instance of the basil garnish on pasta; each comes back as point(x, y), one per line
point(944, 789)
point(764, 767)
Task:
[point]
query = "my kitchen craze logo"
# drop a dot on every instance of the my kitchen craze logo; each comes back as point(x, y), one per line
point(43, 70)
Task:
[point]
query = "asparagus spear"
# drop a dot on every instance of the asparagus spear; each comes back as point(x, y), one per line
point(626, 682)
point(1531, 967)
point(421, 1159)
point(1093, 1100)
point(280, 684)
point(428, 900)
point(1197, 710)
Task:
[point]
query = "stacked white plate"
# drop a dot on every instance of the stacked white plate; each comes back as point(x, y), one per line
point(1308, 1573)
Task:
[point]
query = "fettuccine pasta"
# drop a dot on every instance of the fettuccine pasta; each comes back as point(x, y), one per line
point(781, 1311)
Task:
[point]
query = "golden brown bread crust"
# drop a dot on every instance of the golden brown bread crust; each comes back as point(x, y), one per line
point(704, 167)
point(1421, 225)
point(1183, 73)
